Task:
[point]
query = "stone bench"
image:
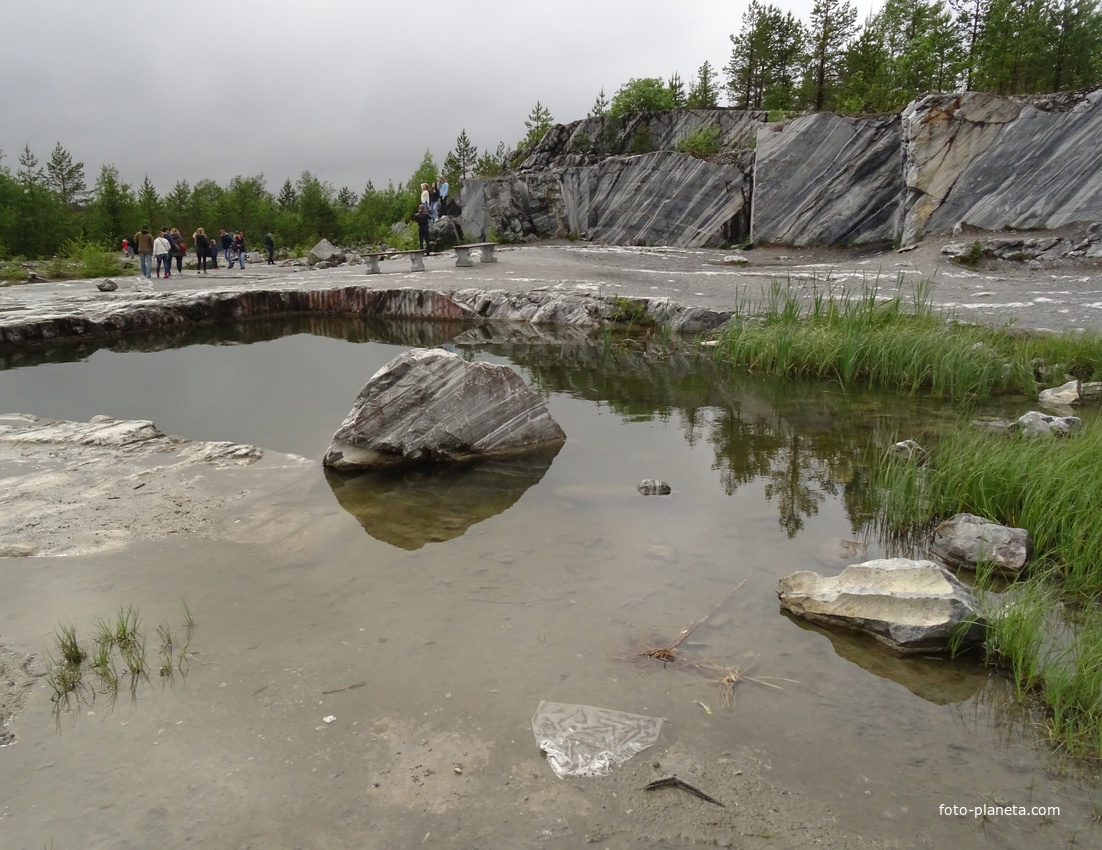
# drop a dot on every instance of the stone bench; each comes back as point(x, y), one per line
point(463, 253)
point(416, 259)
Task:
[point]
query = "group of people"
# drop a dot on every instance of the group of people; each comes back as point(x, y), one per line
point(170, 244)
point(434, 197)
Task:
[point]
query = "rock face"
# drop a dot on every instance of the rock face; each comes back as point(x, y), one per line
point(1041, 170)
point(588, 141)
point(825, 179)
point(911, 606)
point(965, 541)
point(661, 198)
point(942, 134)
point(428, 405)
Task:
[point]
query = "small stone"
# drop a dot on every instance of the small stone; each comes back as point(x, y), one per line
point(107, 286)
point(654, 487)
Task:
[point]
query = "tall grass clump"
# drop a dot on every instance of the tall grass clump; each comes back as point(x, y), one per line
point(894, 342)
point(1046, 630)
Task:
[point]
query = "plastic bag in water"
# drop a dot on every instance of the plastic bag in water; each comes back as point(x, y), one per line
point(581, 740)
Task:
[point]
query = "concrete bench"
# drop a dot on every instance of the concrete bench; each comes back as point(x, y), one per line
point(463, 253)
point(416, 259)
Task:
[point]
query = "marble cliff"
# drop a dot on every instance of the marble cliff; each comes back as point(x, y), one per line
point(948, 160)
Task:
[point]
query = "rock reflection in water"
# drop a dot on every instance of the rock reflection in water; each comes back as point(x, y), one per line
point(936, 680)
point(434, 504)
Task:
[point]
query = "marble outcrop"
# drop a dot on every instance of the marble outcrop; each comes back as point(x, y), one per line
point(941, 135)
point(825, 179)
point(1041, 170)
point(659, 198)
point(431, 406)
point(965, 541)
point(911, 606)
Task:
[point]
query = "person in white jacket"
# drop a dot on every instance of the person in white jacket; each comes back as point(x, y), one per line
point(162, 249)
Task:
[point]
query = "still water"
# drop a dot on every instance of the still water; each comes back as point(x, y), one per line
point(371, 682)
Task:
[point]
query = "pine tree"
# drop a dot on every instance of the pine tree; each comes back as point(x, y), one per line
point(29, 172)
point(148, 203)
point(286, 198)
point(537, 124)
point(600, 106)
point(832, 27)
point(704, 94)
point(677, 90)
point(346, 198)
point(66, 177)
point(465, 154)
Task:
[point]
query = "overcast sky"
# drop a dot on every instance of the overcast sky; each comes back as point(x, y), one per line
point(351, 90)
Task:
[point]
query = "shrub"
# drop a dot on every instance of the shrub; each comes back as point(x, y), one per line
point(703, 143)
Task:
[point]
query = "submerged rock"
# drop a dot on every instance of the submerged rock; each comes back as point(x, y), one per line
point(911, 606)
point(965, 541)
point(429, 405)
point(654, 487)
point(1035, 422)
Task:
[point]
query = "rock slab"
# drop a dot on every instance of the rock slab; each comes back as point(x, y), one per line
point(911, 606)
point(965, 541)
point(429, 405)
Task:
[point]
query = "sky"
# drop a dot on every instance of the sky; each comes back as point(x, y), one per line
point(350, 90)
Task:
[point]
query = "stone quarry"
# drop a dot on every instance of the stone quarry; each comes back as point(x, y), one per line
point(948, 162)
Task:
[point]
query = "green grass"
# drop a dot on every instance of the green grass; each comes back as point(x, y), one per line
point(895, 342)
point(1045, 631)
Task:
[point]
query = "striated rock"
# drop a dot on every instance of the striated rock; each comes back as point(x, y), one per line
point(654, 487)
point(911, 606)
point(589, 140)
point(1043, 170)
point(965, 541)
point(825, 179)
point(428, 405)
point(941, 134)
point(445, 232)
point(661, 198)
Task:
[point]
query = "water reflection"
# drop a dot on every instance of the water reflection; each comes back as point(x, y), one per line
point(429, 504)
point(941, 681)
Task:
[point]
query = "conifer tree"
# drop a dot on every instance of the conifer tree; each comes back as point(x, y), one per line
point(832, 27)
point(537, 124)
point(600, 106)
point(677, 90)
point(65, 177)
point(704, 94)
point(465, 154)
point(29, 172)
point(287, 197)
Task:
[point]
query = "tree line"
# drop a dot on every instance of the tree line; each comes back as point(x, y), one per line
point(908, 48)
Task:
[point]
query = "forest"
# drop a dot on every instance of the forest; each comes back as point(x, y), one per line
point(777, 63)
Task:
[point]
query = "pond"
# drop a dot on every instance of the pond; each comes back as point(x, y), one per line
point(370, 681)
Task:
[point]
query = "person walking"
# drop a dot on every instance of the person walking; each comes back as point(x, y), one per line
point(162, 249)
point(202, 249)
point(127, 248)
point(269, 243)
point(178, 248)
point(144, 241)
point(239, 247)
point(214, 248)
point(227, 246)
point(423, 217)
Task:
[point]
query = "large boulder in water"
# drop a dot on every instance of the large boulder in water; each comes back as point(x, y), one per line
point(428, 405)
point(912, 606)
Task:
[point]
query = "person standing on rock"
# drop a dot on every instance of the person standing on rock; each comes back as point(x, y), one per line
point(423, 217)
point(202, 249)
point(227, 246)
point(144, 241)
point(162, 249)
point(425, 194)
point(443, 184)
point(269, 244)
point(434, 200)
point(239, 247)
